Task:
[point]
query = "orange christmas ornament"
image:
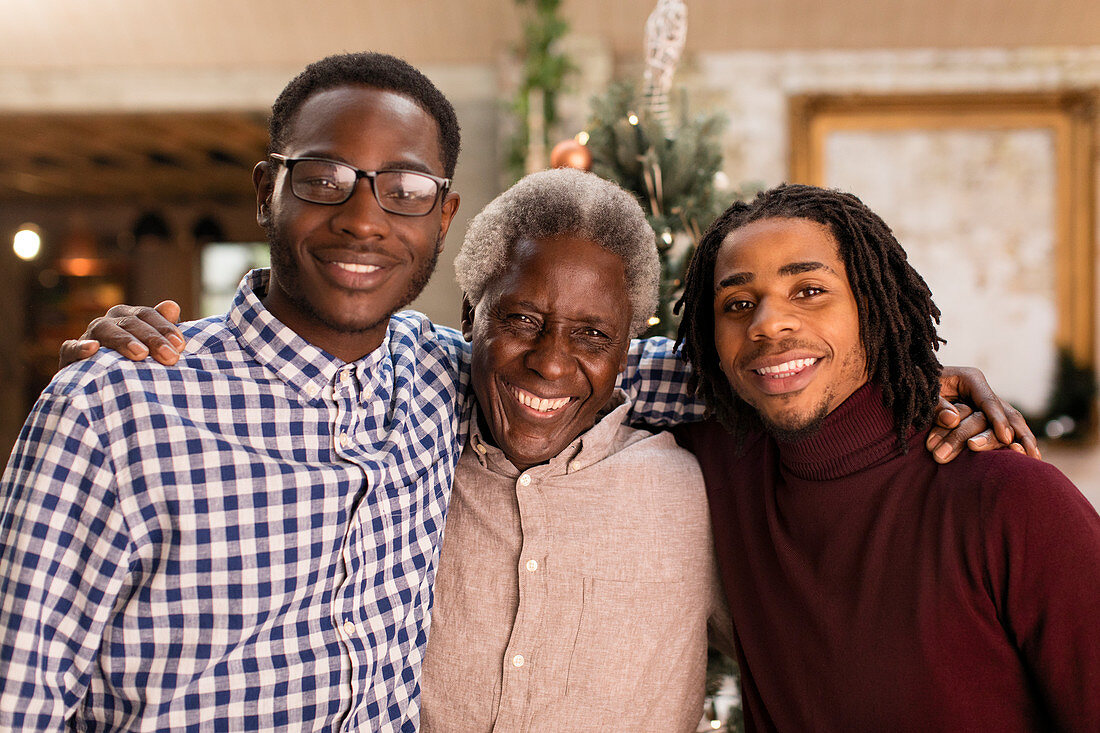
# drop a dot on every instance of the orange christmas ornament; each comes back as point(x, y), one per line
point(571, 154)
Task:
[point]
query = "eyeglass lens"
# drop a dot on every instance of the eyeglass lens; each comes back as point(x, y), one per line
point(329, 182)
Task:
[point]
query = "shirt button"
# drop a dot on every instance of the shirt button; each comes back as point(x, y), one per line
point(480, 448)
point(575, 466)
point(532, 565)
point(349, 628)
point(344, 439)
point(311, 389)
point(524, 480)
point(345, 376)
point(517, 661)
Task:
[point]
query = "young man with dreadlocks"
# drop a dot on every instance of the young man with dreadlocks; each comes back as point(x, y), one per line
point(872, 588)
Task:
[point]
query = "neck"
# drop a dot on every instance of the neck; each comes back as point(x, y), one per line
point(860, 432)
point(348, 346)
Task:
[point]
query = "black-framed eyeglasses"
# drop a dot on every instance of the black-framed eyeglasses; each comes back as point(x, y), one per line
point(330, 182)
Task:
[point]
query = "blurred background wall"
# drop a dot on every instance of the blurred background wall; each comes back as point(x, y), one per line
point(130, 130)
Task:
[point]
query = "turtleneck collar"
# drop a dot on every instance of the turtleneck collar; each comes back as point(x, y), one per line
point(856, 435)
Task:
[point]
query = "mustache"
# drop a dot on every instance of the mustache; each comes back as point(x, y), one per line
point(775, 347)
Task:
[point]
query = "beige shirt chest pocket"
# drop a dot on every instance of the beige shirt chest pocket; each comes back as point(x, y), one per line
point(631, 644)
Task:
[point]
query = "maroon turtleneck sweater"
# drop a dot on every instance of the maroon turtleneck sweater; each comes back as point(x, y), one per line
point(873, 590)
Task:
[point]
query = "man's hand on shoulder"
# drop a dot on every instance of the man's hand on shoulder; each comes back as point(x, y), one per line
point(133, 331)
point(992, 423)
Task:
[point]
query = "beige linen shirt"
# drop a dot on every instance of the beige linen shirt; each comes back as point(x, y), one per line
point(576, 595)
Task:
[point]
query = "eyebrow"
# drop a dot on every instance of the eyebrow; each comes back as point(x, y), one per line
point(408, 165)
point(737, 278)
point(794, 268)
point(797, 268)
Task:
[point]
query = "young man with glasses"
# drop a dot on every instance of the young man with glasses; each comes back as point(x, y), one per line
point(248, 540)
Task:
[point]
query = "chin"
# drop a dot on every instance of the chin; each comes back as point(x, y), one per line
point(793, 428)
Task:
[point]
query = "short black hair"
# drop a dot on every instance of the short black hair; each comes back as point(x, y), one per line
point(377, 70)
point(897, 318)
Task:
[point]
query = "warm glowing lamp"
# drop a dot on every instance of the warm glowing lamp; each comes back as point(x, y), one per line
point(27, 242)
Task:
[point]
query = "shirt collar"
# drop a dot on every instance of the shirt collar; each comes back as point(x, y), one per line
point(588, 448)
point(276, 346)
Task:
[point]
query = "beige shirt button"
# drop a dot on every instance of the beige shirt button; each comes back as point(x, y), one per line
point(532, 565)
point(575, 466)
point(345, 376)
point(518, 660)
point(524, 480)
point(311, 389)
point(344, 439)
point(480, 448)
point(349, 628)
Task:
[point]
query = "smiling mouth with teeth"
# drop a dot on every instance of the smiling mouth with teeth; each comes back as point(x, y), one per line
point(357, 269)
point(786, 369)
point(539, 404)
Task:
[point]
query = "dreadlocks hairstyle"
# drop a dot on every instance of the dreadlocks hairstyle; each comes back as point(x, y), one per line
point(377, 70)
point(897, 318)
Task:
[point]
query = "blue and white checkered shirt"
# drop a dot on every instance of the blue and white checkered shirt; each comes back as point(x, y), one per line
point(246, 541)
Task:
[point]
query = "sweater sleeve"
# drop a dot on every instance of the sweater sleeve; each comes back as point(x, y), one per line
point(1042, 541)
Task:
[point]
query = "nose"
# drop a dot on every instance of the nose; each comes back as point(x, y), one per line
point(360, 217)
point(773, 318)
point(549, 356)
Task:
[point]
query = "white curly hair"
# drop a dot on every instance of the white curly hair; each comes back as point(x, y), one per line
point(557, 202)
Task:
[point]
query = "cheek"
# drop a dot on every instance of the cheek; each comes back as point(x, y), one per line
point(494, 357)
point(601, 377)
point(420, 237)
point(727, 342)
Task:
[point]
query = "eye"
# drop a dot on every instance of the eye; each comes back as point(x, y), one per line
point(810, 291)
point(594, 333)
point(521, 322)
point(737, 305)
point(321, 182)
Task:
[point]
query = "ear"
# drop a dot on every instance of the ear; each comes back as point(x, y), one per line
point(467, 319)
point(447, 213)
point(263, 178)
